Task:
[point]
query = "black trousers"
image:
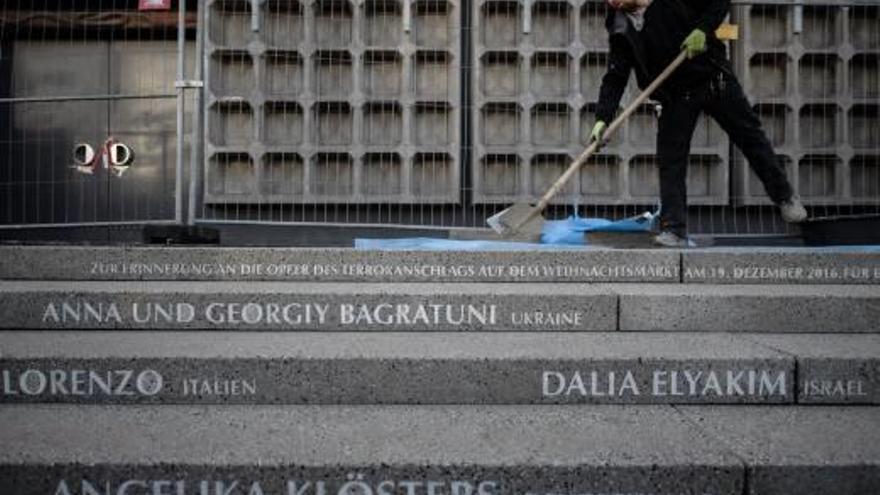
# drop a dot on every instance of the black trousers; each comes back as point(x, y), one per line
point(723, 100)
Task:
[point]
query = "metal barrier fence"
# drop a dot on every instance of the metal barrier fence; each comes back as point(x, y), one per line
point(439, 113)
point(333, 111)
point(812, 73)
point(425, 113)
point(88, 106)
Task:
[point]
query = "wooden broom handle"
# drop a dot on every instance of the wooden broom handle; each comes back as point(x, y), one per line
point(615, 124)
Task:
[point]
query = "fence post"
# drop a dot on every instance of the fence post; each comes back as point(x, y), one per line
point(181, 107)
point(195, 170)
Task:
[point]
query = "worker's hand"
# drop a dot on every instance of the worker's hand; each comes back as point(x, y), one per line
point(598, 132)
point(695, 43)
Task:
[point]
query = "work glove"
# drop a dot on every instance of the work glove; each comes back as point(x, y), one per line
point(695, 43)
point(598, 132)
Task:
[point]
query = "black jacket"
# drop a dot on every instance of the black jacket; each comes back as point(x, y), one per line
point(666, 24)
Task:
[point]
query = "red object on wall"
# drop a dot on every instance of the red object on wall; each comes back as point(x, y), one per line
point(154, 4)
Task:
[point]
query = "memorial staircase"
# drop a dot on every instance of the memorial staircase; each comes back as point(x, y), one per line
point(248, 371)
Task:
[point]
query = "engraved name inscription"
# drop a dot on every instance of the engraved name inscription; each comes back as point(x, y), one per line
point(354, 484)
point(665, 383)
point(280, 314)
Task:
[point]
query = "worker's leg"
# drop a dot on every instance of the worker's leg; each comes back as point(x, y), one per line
point(675, 129)
point(729, 107)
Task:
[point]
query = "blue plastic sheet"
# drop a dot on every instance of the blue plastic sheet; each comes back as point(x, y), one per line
point(556, 234)
point(571, 230)
point(433, 244)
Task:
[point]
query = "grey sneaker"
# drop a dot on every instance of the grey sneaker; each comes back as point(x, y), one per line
point(670, 239)
point(793, 210)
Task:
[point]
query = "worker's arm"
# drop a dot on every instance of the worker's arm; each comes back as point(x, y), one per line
point(713, 15)
point(615, 80)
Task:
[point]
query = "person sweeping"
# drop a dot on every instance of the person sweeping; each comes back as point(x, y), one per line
point(645, 36)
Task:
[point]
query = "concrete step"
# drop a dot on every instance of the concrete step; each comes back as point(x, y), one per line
point(454, 450)
point(716, 265)
point(336, 264)
point(748, 308)
point(436, 368)
point(438, 307)
point(798, 450)
point(832, 368)
point(811, 266)
point(471, 368)
point(306, 306)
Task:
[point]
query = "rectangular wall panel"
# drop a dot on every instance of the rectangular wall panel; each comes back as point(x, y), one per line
point(812, 74)
point(332, 101)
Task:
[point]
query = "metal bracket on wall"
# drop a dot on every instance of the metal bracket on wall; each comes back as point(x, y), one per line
point(189, 84)
point(407, 17)
point(255, 15)
point(527, 17)
point(798, 27)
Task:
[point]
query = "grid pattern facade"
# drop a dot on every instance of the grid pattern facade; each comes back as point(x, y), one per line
point(538, 67)
point(812, 73)
point(334, 102)
point(329, 101)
